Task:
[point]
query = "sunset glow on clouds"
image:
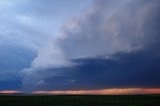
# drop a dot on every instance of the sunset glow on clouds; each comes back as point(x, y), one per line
point(114, 91)
point(9, 91)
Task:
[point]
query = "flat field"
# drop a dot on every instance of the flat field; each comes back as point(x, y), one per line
point(79, 100)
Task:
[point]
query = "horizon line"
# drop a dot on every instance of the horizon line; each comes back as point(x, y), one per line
point(110, 91)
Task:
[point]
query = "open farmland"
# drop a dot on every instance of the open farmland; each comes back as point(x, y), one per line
point(80, 100)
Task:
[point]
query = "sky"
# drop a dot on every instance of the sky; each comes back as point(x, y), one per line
point(64, 46)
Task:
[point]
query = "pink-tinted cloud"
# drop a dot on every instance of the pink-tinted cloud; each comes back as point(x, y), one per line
point(114, 91)
point(9, 91)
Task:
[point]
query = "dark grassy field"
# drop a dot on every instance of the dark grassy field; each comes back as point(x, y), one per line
point(79, 100)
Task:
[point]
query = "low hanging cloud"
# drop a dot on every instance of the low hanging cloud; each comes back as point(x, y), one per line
point(104, 47)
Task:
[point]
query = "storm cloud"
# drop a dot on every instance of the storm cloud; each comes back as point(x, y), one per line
point(25, 27)
point(113, 44)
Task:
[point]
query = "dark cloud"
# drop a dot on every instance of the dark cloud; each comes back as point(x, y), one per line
point(115, 44)
point(140, 69)
point(25, 27)
point(14, 84)
point(12, 60)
